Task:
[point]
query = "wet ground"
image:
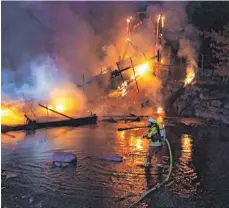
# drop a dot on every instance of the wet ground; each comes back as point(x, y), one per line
point(199, 179)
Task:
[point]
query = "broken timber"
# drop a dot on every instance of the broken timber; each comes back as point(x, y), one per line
point(135, 127)
point(116, 72)
point(115, 119)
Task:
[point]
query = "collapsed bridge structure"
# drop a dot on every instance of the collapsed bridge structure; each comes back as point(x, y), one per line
point(155, 65)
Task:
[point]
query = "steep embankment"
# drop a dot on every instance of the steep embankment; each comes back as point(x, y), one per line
point(204, 100)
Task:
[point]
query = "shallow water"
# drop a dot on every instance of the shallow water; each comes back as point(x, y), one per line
point(92, 182)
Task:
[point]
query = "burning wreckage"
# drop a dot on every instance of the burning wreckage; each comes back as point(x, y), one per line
point(124, 81)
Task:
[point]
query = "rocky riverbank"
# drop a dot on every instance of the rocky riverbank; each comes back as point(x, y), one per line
point(204, 100)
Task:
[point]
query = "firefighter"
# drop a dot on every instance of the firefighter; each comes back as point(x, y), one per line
point(157, 136)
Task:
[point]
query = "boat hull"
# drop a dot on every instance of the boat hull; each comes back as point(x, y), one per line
point(38, 125)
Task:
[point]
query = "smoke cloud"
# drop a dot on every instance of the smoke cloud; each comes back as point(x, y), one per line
point(52, 45)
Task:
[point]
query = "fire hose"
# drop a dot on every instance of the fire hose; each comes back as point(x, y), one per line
point(158, 185)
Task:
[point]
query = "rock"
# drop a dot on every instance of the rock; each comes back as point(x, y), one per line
point(225, 120)
point(39, 205)
point(113, 158)
point(57, 164)
point(64, 165)
point(31, 200)
point(25, 196)
point(66, 157)
point(11, 175)
point(60, 164)
point(226, 105)
point(216, 103)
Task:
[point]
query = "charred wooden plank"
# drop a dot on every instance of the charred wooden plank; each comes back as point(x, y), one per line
point(38, 125)
point(135, 127)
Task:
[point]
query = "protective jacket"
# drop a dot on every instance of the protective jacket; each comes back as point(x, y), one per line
point(156, 133)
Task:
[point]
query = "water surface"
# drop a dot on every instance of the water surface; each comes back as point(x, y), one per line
point(93, 182)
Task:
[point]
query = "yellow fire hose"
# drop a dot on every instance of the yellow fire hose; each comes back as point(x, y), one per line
point(158, 185)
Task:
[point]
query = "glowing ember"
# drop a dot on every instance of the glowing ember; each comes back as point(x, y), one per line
point(124, 84)
point(124, 92)
point(189, 79)
point(104, 70)
point(122, 88)
point(160, 111)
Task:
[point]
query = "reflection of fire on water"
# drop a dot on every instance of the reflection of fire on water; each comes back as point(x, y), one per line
point(186, 142)
point(138, 144)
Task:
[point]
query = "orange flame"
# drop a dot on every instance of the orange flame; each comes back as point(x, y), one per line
point(4, 112)
point(160, 111)
point(158, 18)
point(60, 108)
point(11, 117)
point(162, 22)
point(189, 77)
point(142, 69)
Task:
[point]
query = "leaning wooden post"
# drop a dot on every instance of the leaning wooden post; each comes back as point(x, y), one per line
point(83, 82)
point(134, 74)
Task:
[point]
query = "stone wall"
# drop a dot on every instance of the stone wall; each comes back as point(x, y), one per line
point(205, 101)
